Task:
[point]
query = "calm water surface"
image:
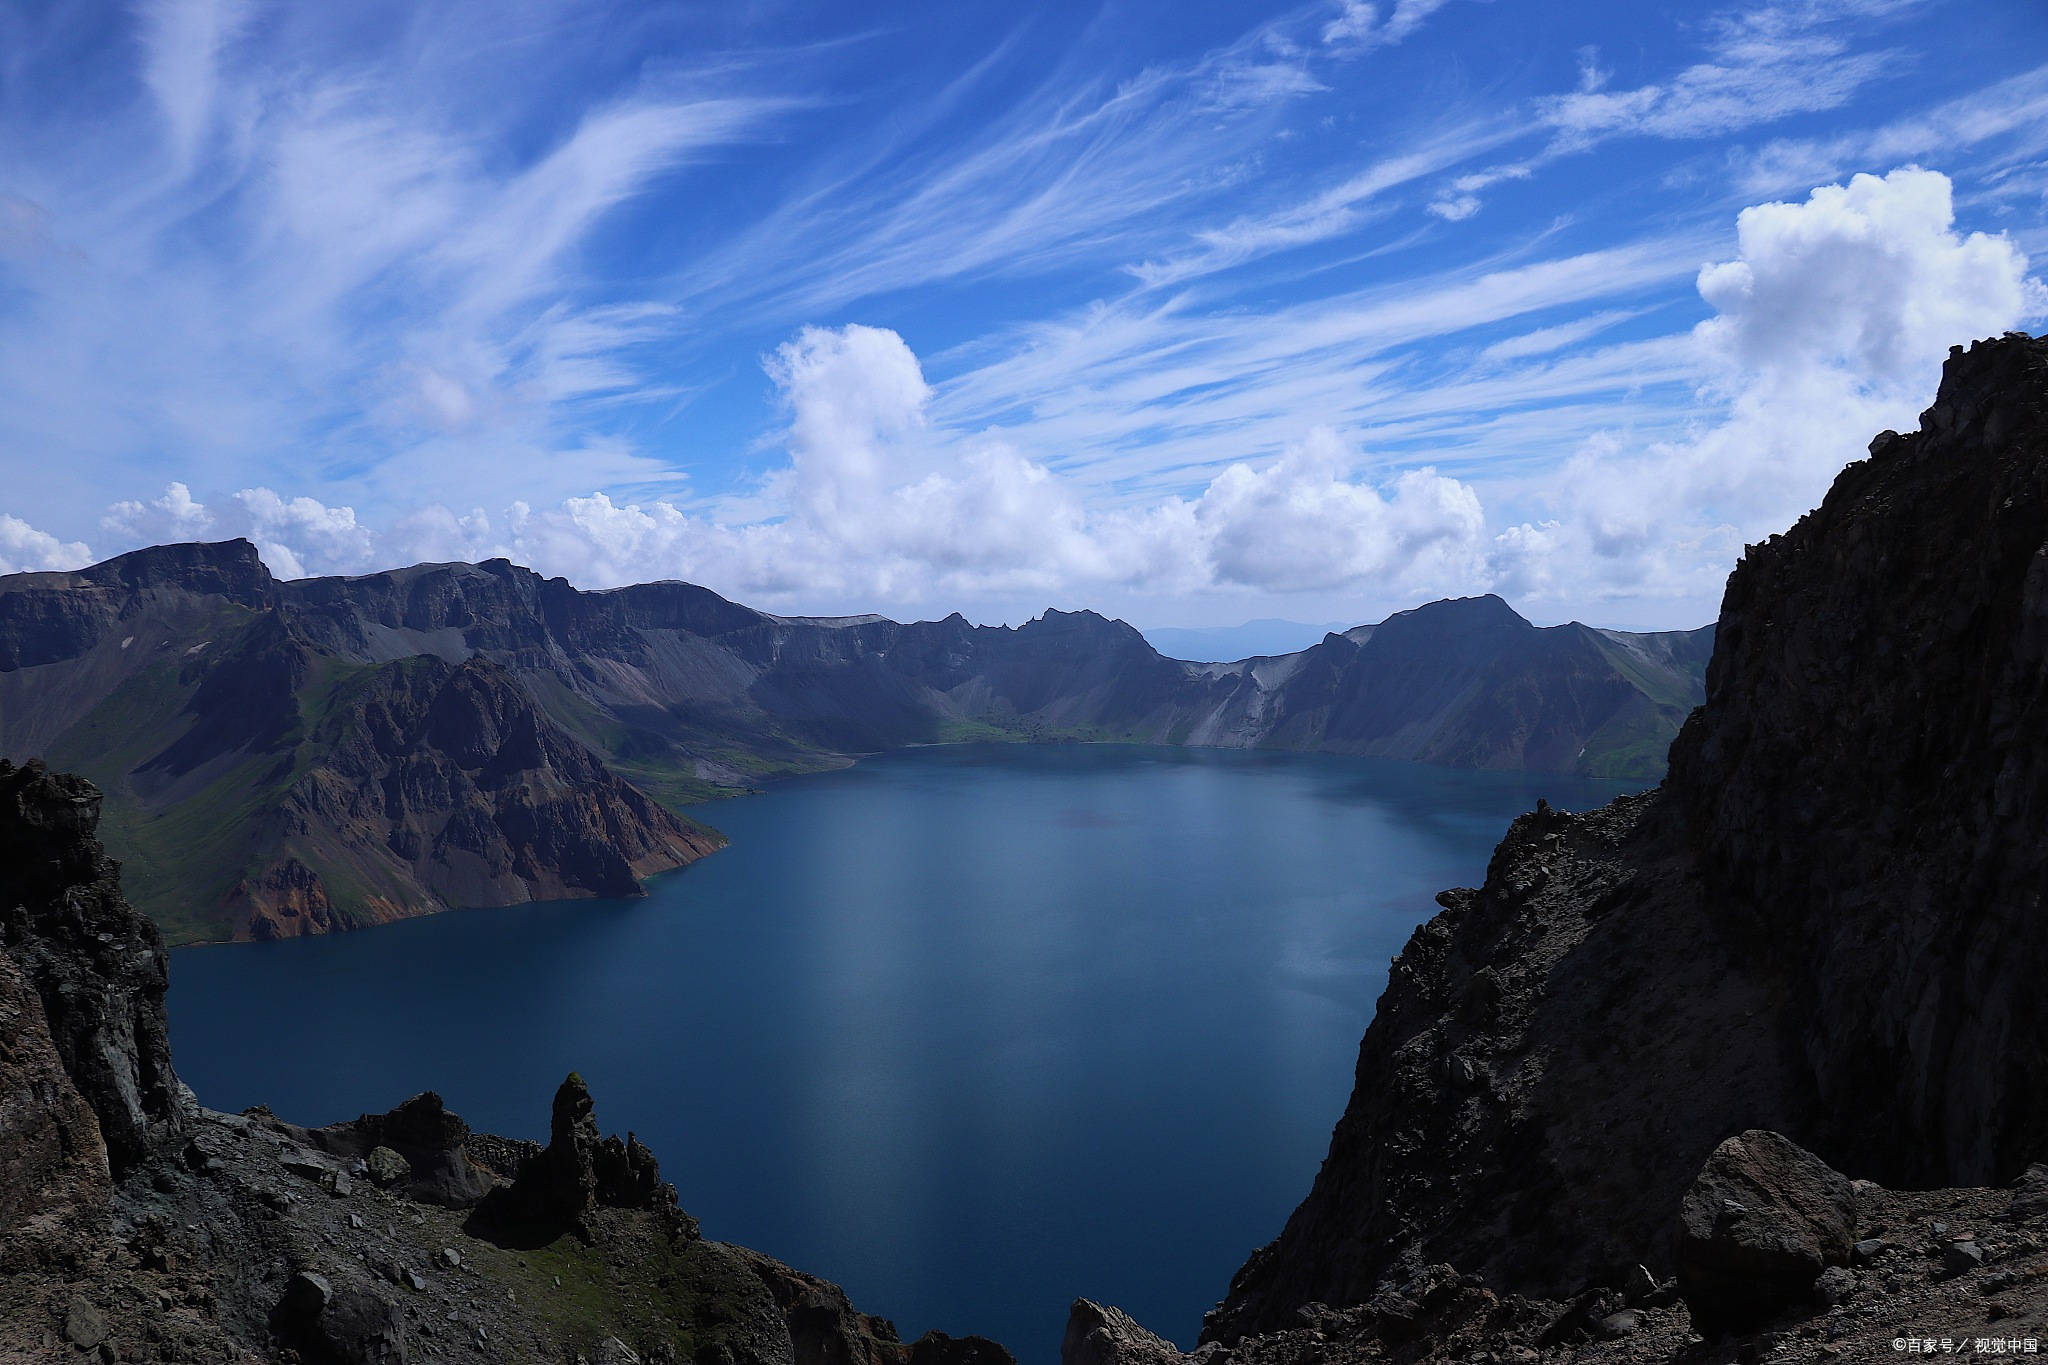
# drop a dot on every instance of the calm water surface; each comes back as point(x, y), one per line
point(971, 1030)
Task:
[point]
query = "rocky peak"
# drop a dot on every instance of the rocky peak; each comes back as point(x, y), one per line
point(1084, 625)
point(578, 1172)
point(227, 568)
point(1483, 618)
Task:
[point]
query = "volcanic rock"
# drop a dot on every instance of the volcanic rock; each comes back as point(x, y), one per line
point(558, 1187)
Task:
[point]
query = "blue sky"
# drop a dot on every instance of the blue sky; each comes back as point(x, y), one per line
point(1191, 313)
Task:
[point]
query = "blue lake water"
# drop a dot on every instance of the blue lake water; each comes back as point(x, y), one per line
point(971, 1030)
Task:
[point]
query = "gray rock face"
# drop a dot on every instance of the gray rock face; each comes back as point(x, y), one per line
point(1825, 923)
point(1867, 779)
point(51, 1153)
point(1757, 1228)
point(1621, 1041)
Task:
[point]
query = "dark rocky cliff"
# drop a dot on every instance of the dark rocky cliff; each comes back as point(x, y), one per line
point(431, 784)
point(1868, 783)
point(96, 968)
point(1827, 922)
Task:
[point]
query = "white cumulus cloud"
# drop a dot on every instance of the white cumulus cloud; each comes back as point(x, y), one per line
point(24, 549)
point(296, 536)
point(1830, 325)
point(876, 507)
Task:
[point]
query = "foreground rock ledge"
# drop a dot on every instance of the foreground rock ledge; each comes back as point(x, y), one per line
point(1780, 1258)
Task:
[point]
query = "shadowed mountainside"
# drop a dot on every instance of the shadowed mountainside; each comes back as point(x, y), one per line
point(296, 757)
point(1827, 922)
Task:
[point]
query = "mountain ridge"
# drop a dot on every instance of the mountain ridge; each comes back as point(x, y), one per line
point(203, 695)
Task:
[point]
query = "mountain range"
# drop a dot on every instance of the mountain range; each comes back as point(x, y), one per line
point(289, 757)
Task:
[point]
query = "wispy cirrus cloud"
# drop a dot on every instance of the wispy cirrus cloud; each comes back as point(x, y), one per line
point(182, 41)
point(1339, 210)
point(1762, 65)
point(322, 269)
point(2011, 114)
point(1361, 25)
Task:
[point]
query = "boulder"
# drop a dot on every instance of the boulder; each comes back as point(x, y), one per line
point(1835, 1285)
point(332, 1321)
point(1760, 1223)
point(85, 1326)
point(307, 1294)
point(424, 1138)
point(387, 1167)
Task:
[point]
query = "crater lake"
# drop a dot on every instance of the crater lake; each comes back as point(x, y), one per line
point(972, 1030)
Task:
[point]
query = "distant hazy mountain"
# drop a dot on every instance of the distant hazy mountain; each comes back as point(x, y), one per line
point(296, 757)
point(1268, 635)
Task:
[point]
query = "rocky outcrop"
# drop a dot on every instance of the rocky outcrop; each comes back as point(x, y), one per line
point(52, 1157)
point(1554, 1057)
point(1825, 923)
point(559, 1187)
point(1866, 784)
point(1098, 1334)
point(96, 967)
point(420, 1148)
